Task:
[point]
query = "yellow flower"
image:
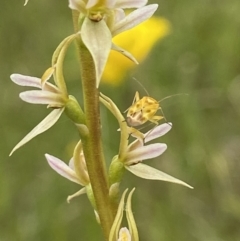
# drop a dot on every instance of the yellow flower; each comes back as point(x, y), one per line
point(138, 41)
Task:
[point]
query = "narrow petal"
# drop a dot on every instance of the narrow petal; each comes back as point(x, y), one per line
point(130, 218)
point(134, 18)
point(71, 164)
point(47, 75)
point(78, 5)
point(44, 125)
point(98, 39)
point(26, 1)
point(119, 14)
point(130, 4)
point(24, 80)
point(113, 235)
point(124, 52)
point(157, 131)
point(80, 192)
point(62, 168)
point(42, 97)
point(145, 152)
point(147, 172)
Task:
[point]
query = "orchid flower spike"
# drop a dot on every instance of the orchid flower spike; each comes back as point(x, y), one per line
point(124, 233)
point(105, 19)
point(131, 155)
point(75, 171)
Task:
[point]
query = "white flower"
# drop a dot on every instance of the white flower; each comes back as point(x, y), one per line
point(75, 171)
point(97, 34)
point(137, 152)
point(131, 156)
point(47, 94)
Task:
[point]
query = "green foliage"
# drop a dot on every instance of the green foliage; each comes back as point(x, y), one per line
point(200, 57)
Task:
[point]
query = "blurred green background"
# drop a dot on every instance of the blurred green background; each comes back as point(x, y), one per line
point(200, 57)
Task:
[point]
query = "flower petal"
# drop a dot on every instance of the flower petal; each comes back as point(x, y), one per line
point(91, 3)
point(157, 131)
point(71, 164)
point(24, 80)
point(147, 172)
point(25, 3)
point(134, 18)
point(42, 97)
point(119, 14)
point(130, 218)
point(98, 39)
point(78, 5)
point(144, 152)
point(130, 4)
point(44, 125)
point(62, 168)
point(113, 235)
point(124, 52)
point(80, 192)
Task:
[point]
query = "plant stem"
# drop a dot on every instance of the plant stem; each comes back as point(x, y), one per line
point(92, 145)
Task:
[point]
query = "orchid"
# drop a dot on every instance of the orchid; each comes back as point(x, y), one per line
point(131, 155)
point(99, 26)
point(47, 94)
point(97, 34)
point(75, 171)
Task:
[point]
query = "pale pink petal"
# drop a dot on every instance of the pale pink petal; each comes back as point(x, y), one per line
point(24, 80)
point(97, 38)
point(62, 168)
point(145, 152)
point(71, 164)
point(147, 172)
point(79, 5)
point(134, 18)
point(157, 132)
point(130, 3)
point(44, 125)
point(42, 97)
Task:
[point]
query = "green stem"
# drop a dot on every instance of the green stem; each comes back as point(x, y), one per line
point(92, 146)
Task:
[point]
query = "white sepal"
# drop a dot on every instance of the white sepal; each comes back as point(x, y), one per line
point(98, 39)
point(147, 172)
point(134, 18)
point(44, 125)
